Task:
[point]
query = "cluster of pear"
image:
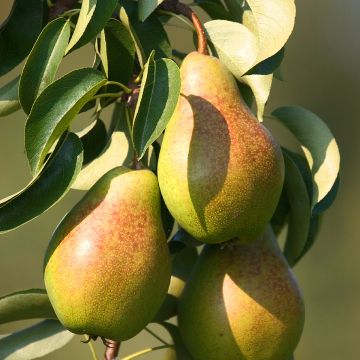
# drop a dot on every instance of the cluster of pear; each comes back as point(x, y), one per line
point(107, 268)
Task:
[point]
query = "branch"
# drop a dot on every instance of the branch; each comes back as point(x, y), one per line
point(181, 9)
point(59, 7)
point(112, 350)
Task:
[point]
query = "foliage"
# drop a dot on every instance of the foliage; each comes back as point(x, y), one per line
point(135, 68)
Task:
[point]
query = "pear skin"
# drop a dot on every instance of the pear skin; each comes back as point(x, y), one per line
point(107, 267)
point(242, 302)
point(220, 171)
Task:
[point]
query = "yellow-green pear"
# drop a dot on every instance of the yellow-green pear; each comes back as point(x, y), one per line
point(220, 171)
point(242, 302)
point(107, 267)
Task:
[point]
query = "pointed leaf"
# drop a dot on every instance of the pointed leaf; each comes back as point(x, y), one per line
point(159, 93)
point(318, 144)
point(235, 45)
point(43, 62)
point(27, 304)
point(146, 7)
point(93, 16)
point(260, 86)
point(9, 99)
point(215, 9)
point(55, 108)
point(272, 22)
point(148, 35)
point(46, 189)
point(328, 200)
point(300, 212)
point(117, 52)
point(19, 32)
point(35, 341)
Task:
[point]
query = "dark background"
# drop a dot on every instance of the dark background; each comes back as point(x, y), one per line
point(321, 73)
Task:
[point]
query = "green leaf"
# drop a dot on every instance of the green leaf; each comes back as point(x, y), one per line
point(93, 139)
point(328, 200)
point(223, 35)
point(215, 9)
point(260, 86)
point(318, 144)
point(280, 216)
point(300, 211)
point(35, 341)
point(9, 99)
point(93, 17)
point(235, 8)
point(117, 52)
point(159, 93)
point(19, 32)
point(118, 152)
point(43, 62)
point(269, 65)
point(272, 22)
point(55, 108)
point(46, 189)
point(26, 304)
point(148, 35)
point(146, 7)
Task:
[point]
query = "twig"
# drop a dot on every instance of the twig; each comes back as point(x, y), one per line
point(181, 9)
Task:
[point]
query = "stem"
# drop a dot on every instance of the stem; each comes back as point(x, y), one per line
point(156, 336)
point(122, 86)
point(108, 95)
point(92, 349)
point(179, 8)
point(61, 6)
point(112, 350)
point(145, 351)
point(189, 25)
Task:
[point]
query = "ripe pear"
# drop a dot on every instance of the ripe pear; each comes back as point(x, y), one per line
point(242, 302)
point(107, 267)
point(182, 265)
point(220, 171)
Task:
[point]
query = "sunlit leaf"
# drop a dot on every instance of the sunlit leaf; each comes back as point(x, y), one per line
point(9, 99)
point(19, 32)
point(318, 144)
point(35, 341)
point(27, 304)
point(159, 93)
point(273, 22)
point(43, 62)
point(54, 110)
point(46, 188)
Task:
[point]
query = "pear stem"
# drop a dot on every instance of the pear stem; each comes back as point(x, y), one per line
point(112, 350)
point(181, 9)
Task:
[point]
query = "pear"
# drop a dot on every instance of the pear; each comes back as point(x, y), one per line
point(242, 302)
point(107, 267)
point(182, 265)
point(220, 171)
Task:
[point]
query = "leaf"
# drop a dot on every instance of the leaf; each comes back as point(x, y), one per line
point(148, 35)
point(43, 62)
point(260, 86)
point(27, 304)
point(318, 144)
point(35, 341)
point(117, 52)
point(269, 65)
point(55, 108)
point(215, 9)
point(118, 152)
point(328, 200)
point(9, 99)
point(159, 93)
point(235, 8)
point(235, 45)
point(19, 33)
point(93, 16)
point(272, 22)
point(46, 189)
point(280, 216)
point(93, 139)
point(146, 7)
point(300, 211)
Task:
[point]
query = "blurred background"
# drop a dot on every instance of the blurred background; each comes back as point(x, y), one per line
point(321, 73)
